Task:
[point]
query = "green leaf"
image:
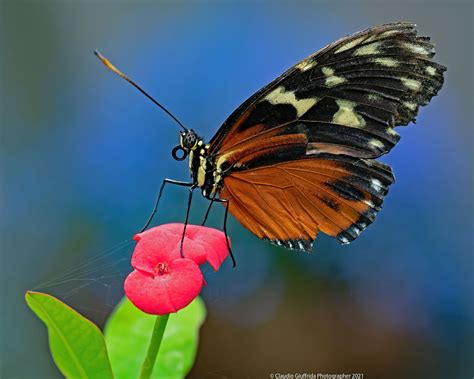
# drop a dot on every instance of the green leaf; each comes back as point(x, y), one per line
point(128, 333)
point(77, 345)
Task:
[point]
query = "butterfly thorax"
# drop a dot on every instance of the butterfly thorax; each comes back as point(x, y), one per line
point(202, 167)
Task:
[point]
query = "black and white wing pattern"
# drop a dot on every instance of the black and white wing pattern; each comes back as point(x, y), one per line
point(348, 97)
point(298, 157)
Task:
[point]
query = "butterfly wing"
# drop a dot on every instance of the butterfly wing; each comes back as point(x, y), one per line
point(337, 107)
point(289, 202)
point(358, 89)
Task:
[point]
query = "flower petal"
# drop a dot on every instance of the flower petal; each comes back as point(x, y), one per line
point(201, 238)
point(213, 241)
point(162, 244)
point(163, 294)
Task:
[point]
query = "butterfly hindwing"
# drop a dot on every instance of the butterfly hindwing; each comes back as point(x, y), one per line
point(288, 203)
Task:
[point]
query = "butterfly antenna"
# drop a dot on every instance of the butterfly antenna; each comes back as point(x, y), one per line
point(111, 67)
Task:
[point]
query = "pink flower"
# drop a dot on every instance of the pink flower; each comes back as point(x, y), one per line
point(163, 281)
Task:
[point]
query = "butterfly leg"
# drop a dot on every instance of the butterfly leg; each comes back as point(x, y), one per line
point(209, 208)
point(225, 222)
point(170, 181)
point(190, 198)
point(234, 264)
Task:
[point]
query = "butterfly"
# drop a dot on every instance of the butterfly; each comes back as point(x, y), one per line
point(299, 157)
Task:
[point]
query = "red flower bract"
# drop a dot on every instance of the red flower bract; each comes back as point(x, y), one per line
point(163, 281)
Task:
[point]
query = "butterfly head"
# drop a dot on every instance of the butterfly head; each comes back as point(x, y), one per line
point(188, 141)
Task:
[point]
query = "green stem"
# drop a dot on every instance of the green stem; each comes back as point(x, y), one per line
point(154, 347)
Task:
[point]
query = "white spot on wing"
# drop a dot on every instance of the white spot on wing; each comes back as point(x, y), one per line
point(349, 45)
point(306, 65)
point(369, 203)
point(417, 49)
point(412, 84)
point(371, 38)
point(331, 79)
point(280, 96)
point(300, 245)
point(392, 132)
point(344, 240)
point(430, 70)
point(370, 49)
point(346, 114)
point(410, 105)
point(376, 184)
point(387, 62)
point(388, 33)
point(376, 143)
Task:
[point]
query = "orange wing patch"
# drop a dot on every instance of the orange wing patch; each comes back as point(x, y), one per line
point(290, 202)
point(248, 133)
point(249, 151)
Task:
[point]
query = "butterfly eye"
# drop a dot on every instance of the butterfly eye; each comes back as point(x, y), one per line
point(181, 156)
point(190, 139)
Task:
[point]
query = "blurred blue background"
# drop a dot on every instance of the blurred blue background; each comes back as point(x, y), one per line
point(83, 155)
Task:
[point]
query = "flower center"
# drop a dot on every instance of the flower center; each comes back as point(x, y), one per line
point(162, 269)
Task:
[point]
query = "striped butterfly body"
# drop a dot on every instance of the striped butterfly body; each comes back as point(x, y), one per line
point(299, 156)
